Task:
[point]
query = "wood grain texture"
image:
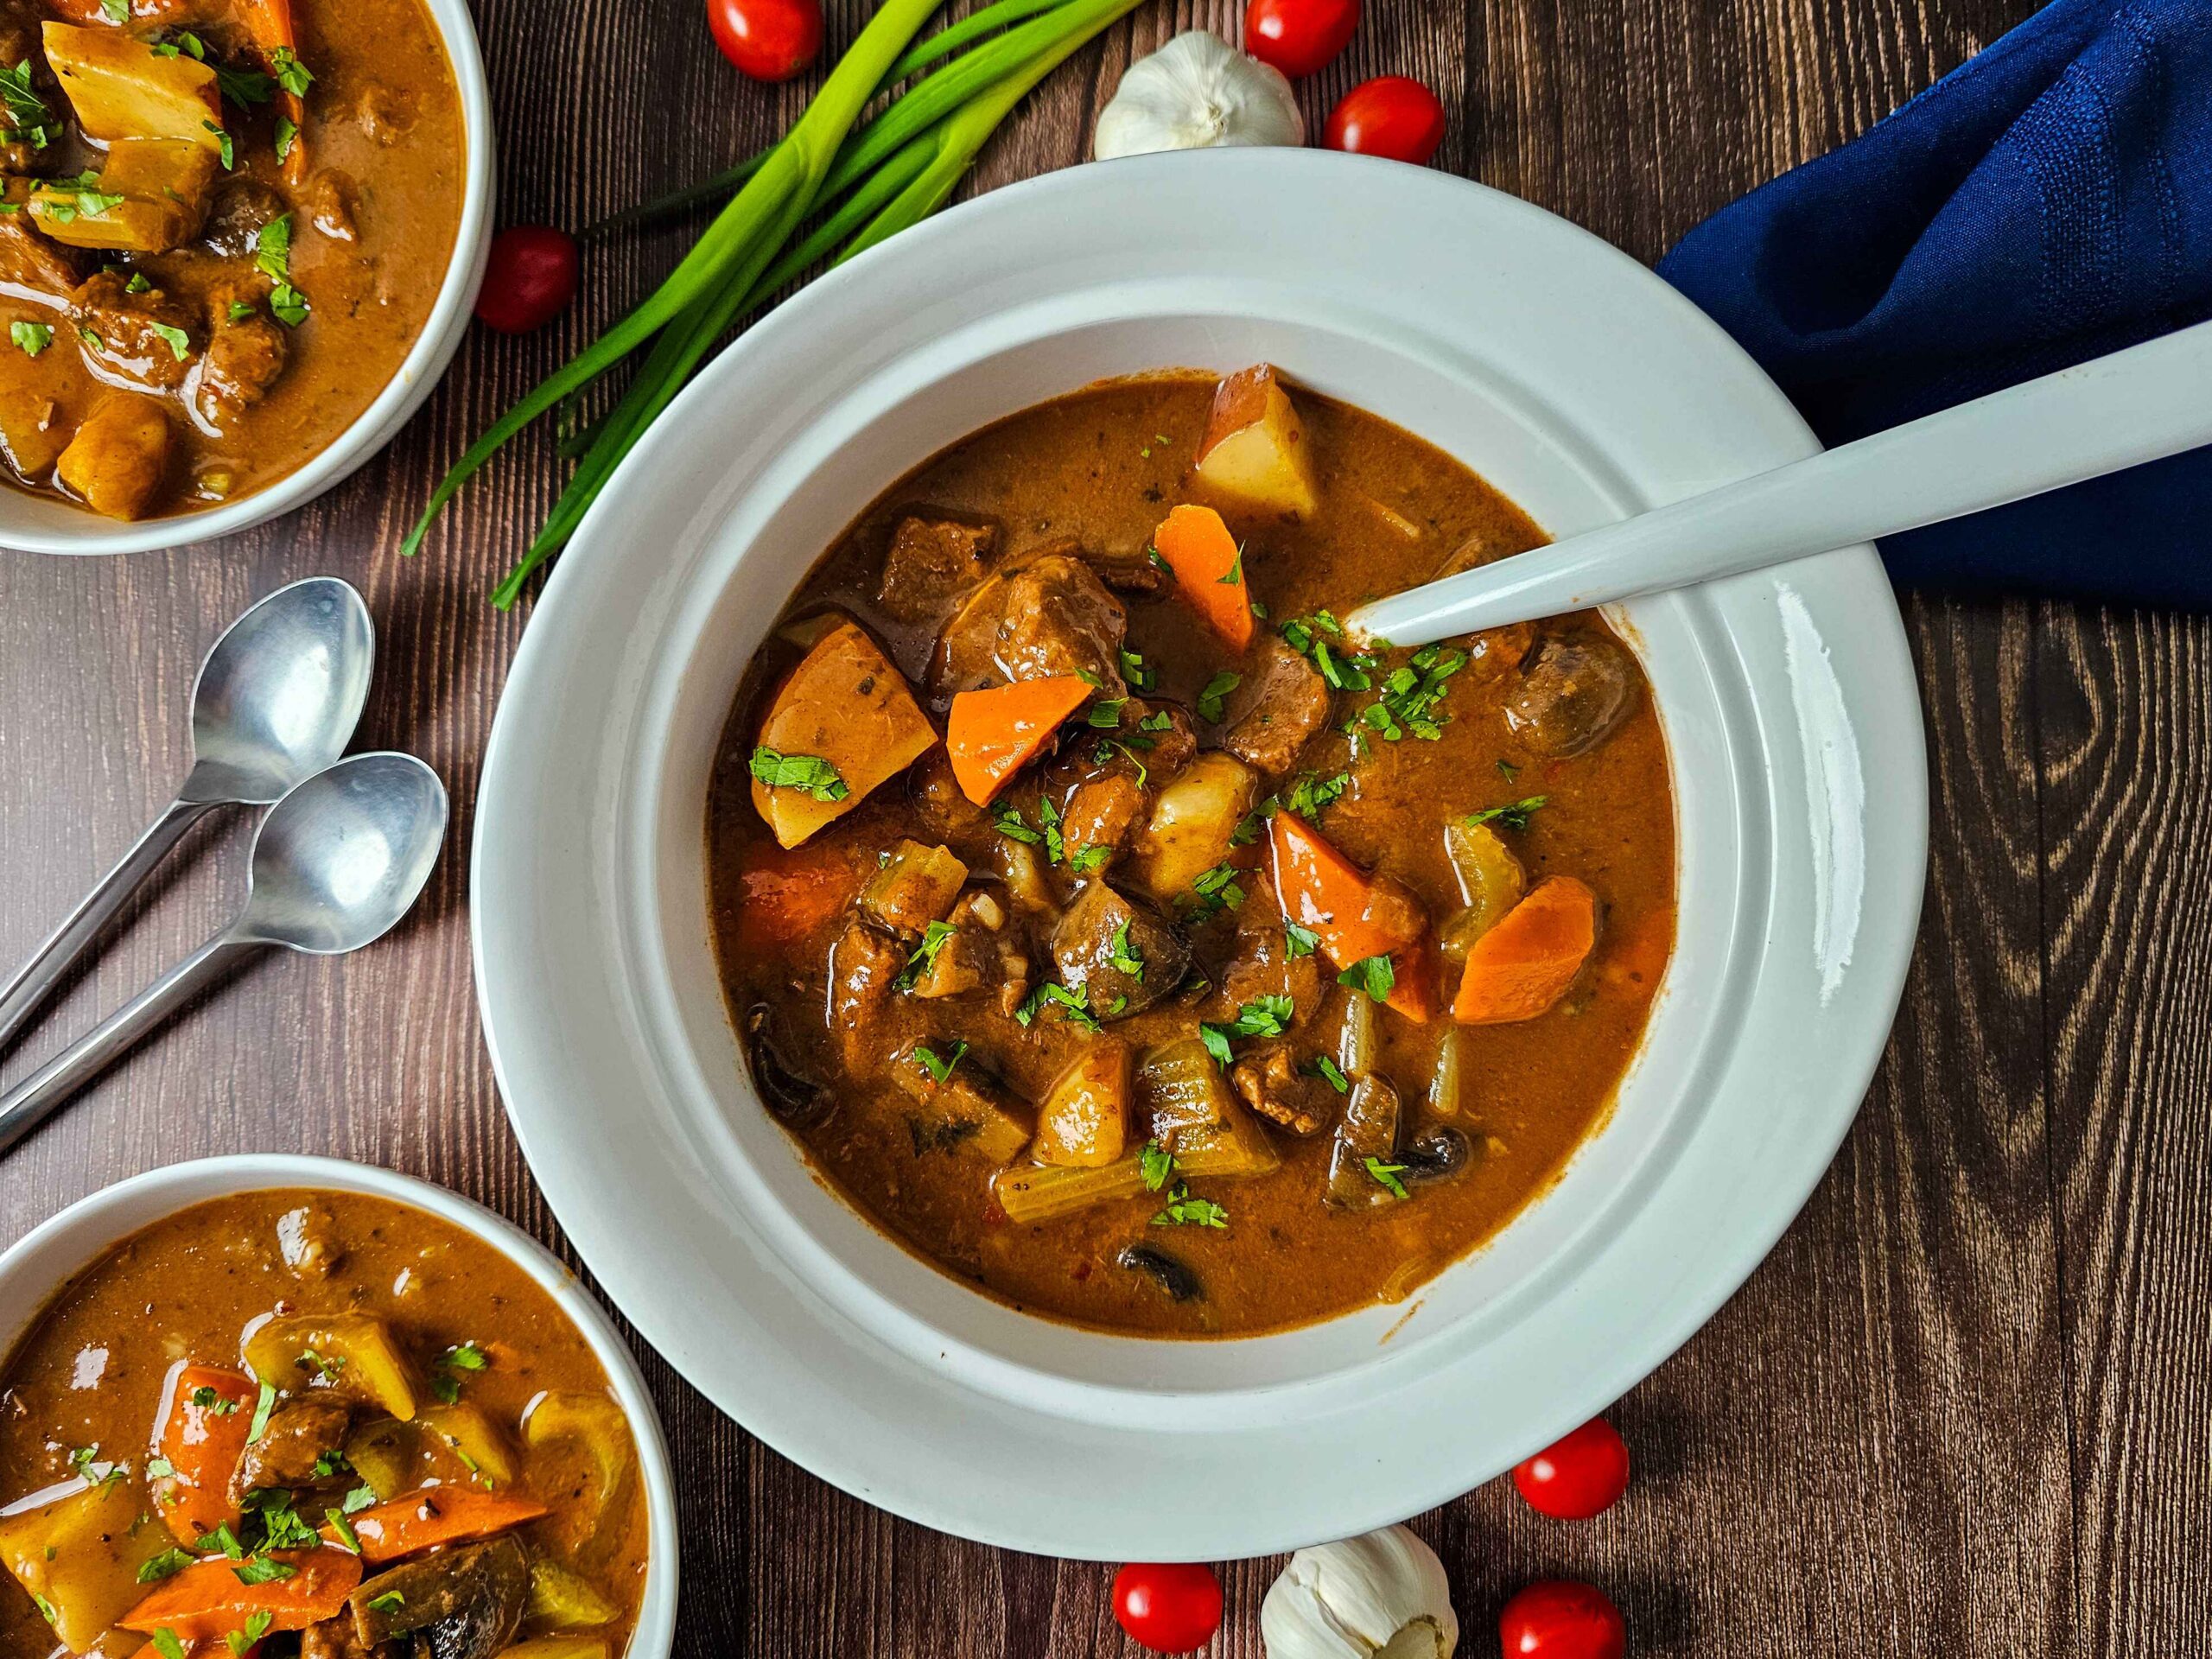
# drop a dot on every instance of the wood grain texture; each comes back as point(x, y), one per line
point(1962, 1408)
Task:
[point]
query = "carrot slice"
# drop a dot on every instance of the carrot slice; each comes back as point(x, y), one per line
point(1352, 913)
point(268, 25)
point(203, 1435)
point(791, 896)
point(1209, 568)
point(1524, 964)
point(206, 1601)
point(435, 1515)
point(993, 734)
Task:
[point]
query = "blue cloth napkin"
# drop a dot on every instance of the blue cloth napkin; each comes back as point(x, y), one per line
point(2049, 201)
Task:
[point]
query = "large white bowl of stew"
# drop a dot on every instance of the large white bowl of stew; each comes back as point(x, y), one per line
point(238, 245)
point(322, 1407)
point(713, 887)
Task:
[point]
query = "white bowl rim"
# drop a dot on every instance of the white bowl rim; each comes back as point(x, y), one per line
point(874, 1404)
point(57, 529)
point(117, 1212)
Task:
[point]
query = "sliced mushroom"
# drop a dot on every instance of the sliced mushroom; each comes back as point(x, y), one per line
point(1572, 695)
point(467, 1600)
point(1437, 1156)
point(1170, 1275)
point(1125, 955)
point(791, 1093)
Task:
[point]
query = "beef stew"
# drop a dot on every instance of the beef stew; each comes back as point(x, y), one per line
point(1123, 940)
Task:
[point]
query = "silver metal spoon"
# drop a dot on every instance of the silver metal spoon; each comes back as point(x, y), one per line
point(336, 863)
point(276, 700)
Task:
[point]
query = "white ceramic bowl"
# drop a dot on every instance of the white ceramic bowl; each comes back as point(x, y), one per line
point(35, 1269)
point(1567, 375)
point(39, 524)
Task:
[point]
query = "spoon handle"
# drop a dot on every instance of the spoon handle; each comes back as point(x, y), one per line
point(25, 1106)
point(2100, 416)
point(35, 981)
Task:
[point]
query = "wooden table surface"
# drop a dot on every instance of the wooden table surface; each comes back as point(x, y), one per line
point(1961, 1410)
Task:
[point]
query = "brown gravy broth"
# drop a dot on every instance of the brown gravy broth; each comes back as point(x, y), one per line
point(1102, 467)
point(97, 1370)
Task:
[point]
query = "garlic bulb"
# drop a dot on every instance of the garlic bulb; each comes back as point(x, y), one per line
point(1196, 92)
point(1383, 1596)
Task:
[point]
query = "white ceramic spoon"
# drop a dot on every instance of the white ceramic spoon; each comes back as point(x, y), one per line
point(2100, 416)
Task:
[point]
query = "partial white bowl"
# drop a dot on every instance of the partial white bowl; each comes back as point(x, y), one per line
point(1563, 371)
point(39, 524)
point(35, 1269)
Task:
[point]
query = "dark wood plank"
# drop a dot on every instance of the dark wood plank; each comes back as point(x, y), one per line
point(1947, 1416)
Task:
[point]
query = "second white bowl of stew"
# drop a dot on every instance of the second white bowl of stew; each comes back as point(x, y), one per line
point(303, 1409)
point(1059, 1040)
point(240, 240)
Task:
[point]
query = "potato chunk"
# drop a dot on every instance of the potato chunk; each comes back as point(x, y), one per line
point(151, 196)
point(844, 706)
point(80, 1555)
point(116, 462)
point(1084, 1122)
point(1254, 451)
point(1191, 822)
point(356, 1349)
point(33, 433)
point(122, 88)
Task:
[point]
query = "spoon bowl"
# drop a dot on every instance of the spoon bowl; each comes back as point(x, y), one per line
point(280, 693)
point(342, 858)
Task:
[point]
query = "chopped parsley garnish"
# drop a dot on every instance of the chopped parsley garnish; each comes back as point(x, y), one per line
point(262, 1407)
point(1216, 890)
point(1312, 795)
point(185, 42)
point(160, 1469)
point(116, 11)
point(24, 117)
point(1309, 637)
point(1373, 975)
point(1125, 954)
point(1411, 694)
point(1085, 860)
point(1158, 1164)
point(1184, 1210)
point(1048, 820)
point(241, 309)
point(256, 1626)
point(209, 1399)
point(1212, 700)
point(164, 1639)
point(330, 1465)
point(1386, 1176)
point(137, 284)
point(1074, 1004)
point(344, 1528)
point(280, 1526)
point(288, 134)
point(1329, 1072)
point(939, 1067)
point(810, 773)
point(223, 145)
point(263, 1570)
point(292, 75)
point(176, 339)
point(1134, 672)
point(223, 1540)
point(273, 258)
point(168, 1563)
point(390, 1601)
point(326, 1366)
point(935, 937)
point(1159, 559)
point(81, 1459)
point(466, 1357)
point(1009, 822)
point(244, 88)
point(1298, 941)
point(1236, 572)
point(1266, 1016)
point(1105, 714)
point(1514, 815)
point(359, 1498)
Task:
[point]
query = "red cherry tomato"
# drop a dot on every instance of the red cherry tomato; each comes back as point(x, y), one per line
point(1299, 37)
point(770, 40)
point(1391, 116)
point(530, 279)
point(1581, 1474)
point(1558, 1618)
point(1168, 1606)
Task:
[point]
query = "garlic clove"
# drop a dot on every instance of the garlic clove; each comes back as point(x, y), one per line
point(1382, 1596)
point(1196, 92)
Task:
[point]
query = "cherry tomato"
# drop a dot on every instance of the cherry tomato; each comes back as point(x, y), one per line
point(1391, 116)
point(1168, 1606)
point(770, 40)
point(1299, 37)
point(530, 279)
point(1558, 1618)
point(1580, 1475)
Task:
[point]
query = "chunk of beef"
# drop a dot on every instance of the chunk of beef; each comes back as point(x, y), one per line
point(986, 951)
point(1152, 739)
point(19, 23)
point(1102, 812)
point(943, 807)
point(862, 965)
point(1282, 702)
point(932, 562)
point(1263, 965)
point(1572, 695)
point(242, 206)
point(31, 261)
point(337, 1638)
point(1273, 1085)
point(468, 1600)
point(1125, 570)
point(1123, 955)
point(1051, 615)
point(298, 1436)
point(333, 201)
point(386, 114)
point(134, 336)
point(912, 887)
point(244, 356)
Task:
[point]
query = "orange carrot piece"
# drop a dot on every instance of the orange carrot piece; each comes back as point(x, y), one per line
point(268, 25)
point(203, 1444)
point(791, 895)
point(993, 734)
point(435, 1515)
point(1209, 568)
point(1329, 896)
point(206, 1601)
point(1524, 964)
